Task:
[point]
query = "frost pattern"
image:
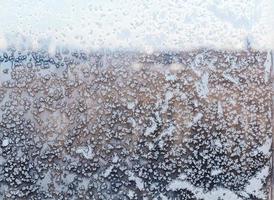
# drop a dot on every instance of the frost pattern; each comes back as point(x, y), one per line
point(130, 125)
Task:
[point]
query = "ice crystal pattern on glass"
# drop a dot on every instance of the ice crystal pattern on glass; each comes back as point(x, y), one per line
point(130, 125)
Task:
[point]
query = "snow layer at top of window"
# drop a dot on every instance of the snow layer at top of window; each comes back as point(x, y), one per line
point(146, 25)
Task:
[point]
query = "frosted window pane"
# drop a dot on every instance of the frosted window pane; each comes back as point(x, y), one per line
point(136, 99)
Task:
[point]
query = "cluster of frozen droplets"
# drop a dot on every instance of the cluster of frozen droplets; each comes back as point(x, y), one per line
point(128, 125)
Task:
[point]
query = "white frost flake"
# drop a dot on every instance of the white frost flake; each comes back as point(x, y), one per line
point(115, 158)
point(215, 172)
point(218, 193)
point(86, 151)
point(5, 142)
point(265, 148)
point(108, 171)
point(220, 108)
point(196, 118)
point(267, 66)
point(231, 79)
point(130, 105)
point(202, 86)
point(256, 184)
point(170, 77)
point(139, 182)
point(152, 128)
